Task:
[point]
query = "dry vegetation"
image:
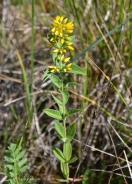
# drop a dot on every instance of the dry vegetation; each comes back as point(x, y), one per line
point(104, 138)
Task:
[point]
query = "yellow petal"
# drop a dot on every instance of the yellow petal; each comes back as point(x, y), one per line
point(66, 59)
point(69, 25)
point(56, 19)
point(67, 38)
point(57, 70)
point(56, 33)
point(50, 67)
point(52, 39)
point(69, 31)
point(61, 34)
point(61, 18)
point(70, 47)
point(68, 43)
point(64, 70)
point(62, 57)
point(65, 20)
point(52, 71)
point(53, 30)
point(56, 50)
point(67, 66)
point(62, 41)
point(59, 58)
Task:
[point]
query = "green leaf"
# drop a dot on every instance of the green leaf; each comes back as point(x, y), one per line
point(12, 174)
point(72, 160)
point(59, 129)
point(72, 111)
point(54, 55)
point(20, 155)
point(77, 70)
point(58, 45)
point(64, 169)
point(8, 159)
point(12, 147)
point(67, 150)
point(65, 96)
point(17, 150)
point(71, 84)
point(55, 80)
point(7, 151)
point(10, 181)
point(72, 38)
point(71, 132)
point(45, 75)
point(57, 100)
point(62, 180)
point(53, 113)
point(23, 169)
point(10, 167)
point(57, 64)
point(27, 181)
point(86, 176)
point(58, 153)
point(61, 108)
point(22, 162)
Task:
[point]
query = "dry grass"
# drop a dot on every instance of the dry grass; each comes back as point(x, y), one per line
point(103, 138)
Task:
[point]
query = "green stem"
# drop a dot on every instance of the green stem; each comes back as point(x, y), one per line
point(32, 57)
point(16, 172)
point(32, 46)
point(64, 124)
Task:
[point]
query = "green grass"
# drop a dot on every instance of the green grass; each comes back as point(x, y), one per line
point(102, 49)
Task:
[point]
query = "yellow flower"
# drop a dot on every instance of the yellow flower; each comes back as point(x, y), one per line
point(60, 27)
point(53, 69)
point(61, 41)
point(67, 67)
point(56, 50)
point(69, 27)
point(60, 51)
point(66, 59)
point(52, 39)
point(67, 38)
point(70, 47)
point(62, 59)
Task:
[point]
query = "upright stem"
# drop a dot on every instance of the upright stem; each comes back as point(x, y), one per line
point(64, 124)
point(32, 46)
point(32, 58)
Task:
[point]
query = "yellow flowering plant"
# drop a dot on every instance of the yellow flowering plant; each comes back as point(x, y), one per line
point(61, 40)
